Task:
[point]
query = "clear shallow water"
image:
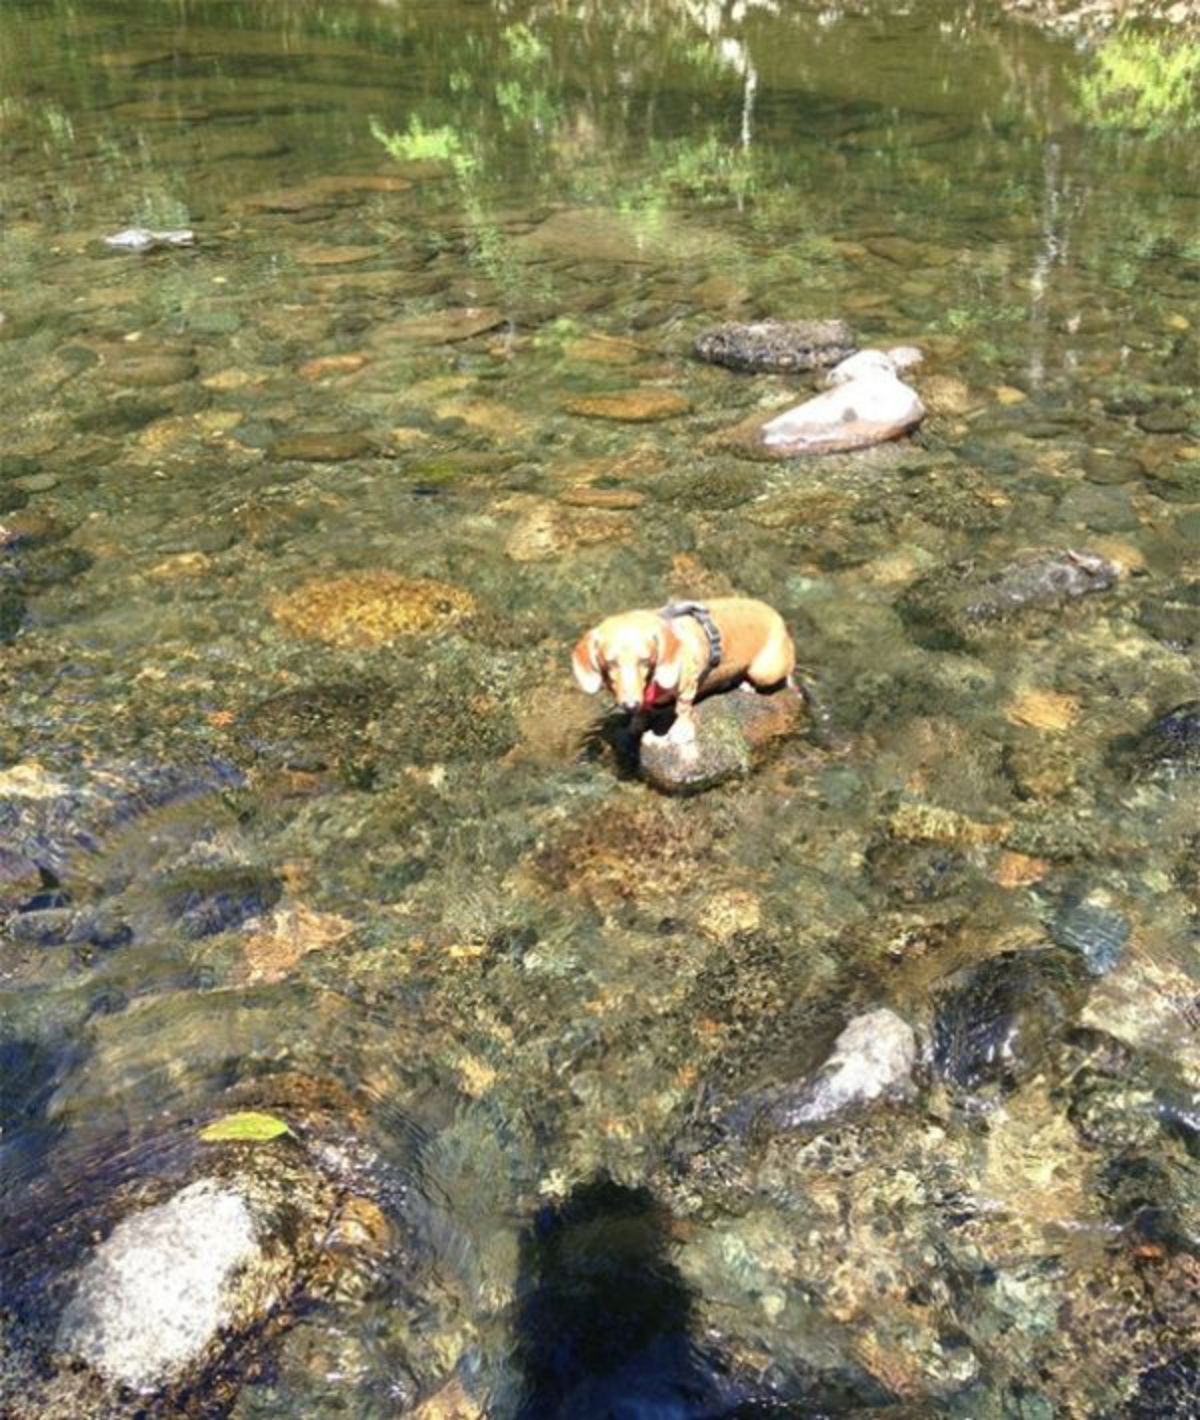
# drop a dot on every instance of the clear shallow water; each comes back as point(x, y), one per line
point(374, 872)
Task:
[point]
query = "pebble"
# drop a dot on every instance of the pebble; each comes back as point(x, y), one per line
point(631, 406)
point(38, 482)
point(143, 239)
point(1164, 420)
point(319, 448)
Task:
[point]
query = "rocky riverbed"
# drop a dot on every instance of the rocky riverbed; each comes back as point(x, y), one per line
point(384, 1031)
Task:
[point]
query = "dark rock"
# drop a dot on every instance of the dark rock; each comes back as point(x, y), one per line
point(918, 872)
point(1099, 508)
point(731, 729)
point(320, 727)
point(1170, 745)
point(52, 566)
point(321, 448)
point(1155, 1197)
point(213, 896)
point(12, 498)
point(1164, 420)
point(1093, 929)
point(1178, 482)
point(18, 465)
point(951, 607)
point(12, 613)
point(777, 346)
point(1173, 614)
point(1100, 466)
point(1170, 1391)
point(995, 1022)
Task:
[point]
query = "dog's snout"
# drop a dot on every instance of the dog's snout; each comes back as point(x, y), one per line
point(631, 705)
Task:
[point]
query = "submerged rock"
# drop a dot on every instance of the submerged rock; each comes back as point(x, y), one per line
point(777, 346)
point(730, 729)
point(872, 1059)
point(995, 1022)
point(159, 1290)
point(1170, 745)
point(174, 1284)
point(368, 609)
point(641, 406)
point(950, 607)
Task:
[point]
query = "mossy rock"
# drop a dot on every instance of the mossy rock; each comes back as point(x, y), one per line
point(732, 731)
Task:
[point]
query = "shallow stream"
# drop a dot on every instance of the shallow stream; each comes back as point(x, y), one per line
point(302, 812)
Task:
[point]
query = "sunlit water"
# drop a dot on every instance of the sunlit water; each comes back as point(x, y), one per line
point(379, 875)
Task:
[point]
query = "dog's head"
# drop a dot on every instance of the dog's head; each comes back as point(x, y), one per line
point(633, 654)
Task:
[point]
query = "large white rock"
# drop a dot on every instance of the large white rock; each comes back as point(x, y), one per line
point(159, 1289)
point(867, 405)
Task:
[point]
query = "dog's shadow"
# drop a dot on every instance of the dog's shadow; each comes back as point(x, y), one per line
point(617, 737)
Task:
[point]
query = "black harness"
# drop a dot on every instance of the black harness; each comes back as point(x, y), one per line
point(700, 613)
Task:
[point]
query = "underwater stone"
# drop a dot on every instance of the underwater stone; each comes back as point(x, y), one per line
point(1170, 745)
point(780, 347)
point(321, 448)
point(994, 1022)
point(371, 608)
point(945, 610)
point(872, 1059)
point(160, 1289)
point(1093, 929)
point(1173, 615)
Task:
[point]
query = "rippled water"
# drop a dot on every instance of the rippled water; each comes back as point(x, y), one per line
point(301, 808)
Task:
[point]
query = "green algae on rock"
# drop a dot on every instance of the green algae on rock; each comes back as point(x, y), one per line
point(371, 608)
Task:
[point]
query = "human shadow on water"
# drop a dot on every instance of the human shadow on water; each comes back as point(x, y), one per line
point(605, 1320)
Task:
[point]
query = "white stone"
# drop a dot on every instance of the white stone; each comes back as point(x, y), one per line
point(155, 1293)
point(870, 407)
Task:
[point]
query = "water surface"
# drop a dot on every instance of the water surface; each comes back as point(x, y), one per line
point(361, 858)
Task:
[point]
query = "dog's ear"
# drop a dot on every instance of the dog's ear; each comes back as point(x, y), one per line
point(669, 666)
point(584, 664)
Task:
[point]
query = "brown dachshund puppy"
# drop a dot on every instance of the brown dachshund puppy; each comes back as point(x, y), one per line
point(650, 658)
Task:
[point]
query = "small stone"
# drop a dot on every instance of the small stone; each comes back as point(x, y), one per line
point(37, 483)
point(1094, 929)
point(1170, 745)
point(1009, 395)
point(947, 394)
point(142, 239)
point(1016, 870)
point(149, 371)
point(368, 609)
point(603, 350)
point(440, 328)
point(631, 406)
point(1043, 710)
point(323, 365)
point(321, 448)
point(1102, 466)
point(333, 255)
point(285, 938)
point(616, 499)
point(872, 1059)
point(1165, 420)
